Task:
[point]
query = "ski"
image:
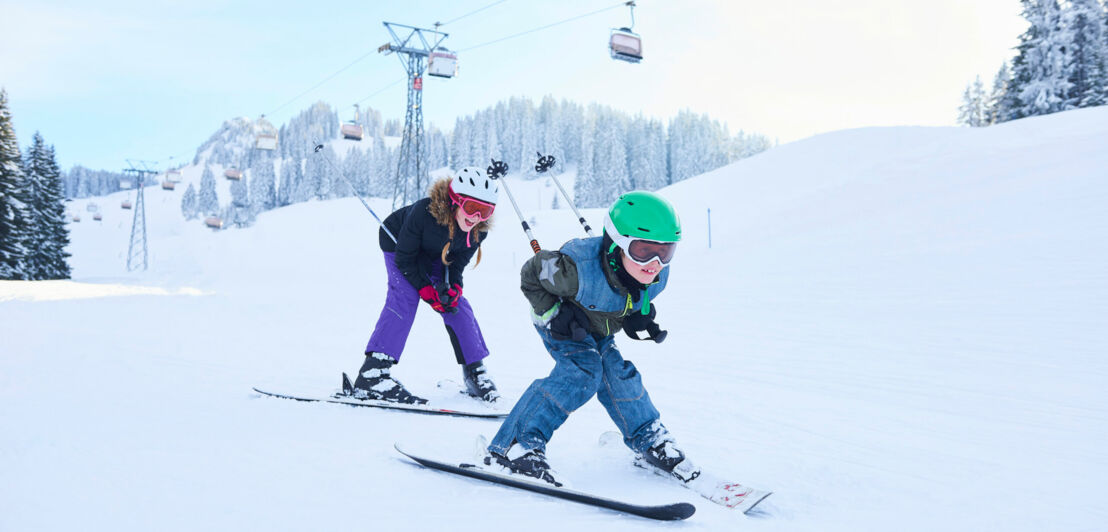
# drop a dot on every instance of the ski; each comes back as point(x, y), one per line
point(666, 512)
point(730, 494)
point(418, 409)
point(722, 492)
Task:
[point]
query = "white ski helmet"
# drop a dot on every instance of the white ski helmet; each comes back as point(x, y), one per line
point(471, 181)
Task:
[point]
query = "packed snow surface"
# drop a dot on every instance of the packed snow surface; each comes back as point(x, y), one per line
point(892, 329)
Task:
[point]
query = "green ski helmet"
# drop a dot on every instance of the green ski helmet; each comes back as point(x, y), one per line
point(645, 226)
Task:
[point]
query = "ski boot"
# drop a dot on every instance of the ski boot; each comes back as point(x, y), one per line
point(664, 456)
point(478, 383)
point(374, 382)
point(527, 462)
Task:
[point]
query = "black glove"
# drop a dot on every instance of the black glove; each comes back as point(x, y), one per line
point(571, 322)
point(637, 321)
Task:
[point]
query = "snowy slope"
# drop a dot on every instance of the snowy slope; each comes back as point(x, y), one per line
point(894, 328)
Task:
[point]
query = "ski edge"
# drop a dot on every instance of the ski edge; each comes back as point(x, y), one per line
point(388, 406)
point(667, 512)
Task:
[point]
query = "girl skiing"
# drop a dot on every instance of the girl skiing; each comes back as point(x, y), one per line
point(435, 238)
point(581, 295)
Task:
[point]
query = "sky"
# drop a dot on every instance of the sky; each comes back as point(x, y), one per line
point(114, 80)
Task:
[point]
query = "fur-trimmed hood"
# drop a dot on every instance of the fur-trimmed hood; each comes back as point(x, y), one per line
point(442, 209)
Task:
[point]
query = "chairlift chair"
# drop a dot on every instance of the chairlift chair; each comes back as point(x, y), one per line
point(126, 204)
point(266, 137)
point(98, 217)
point(214, 222)
point(168, 185)
point(352, 130)
point(625, 45)
point(76, 217)
point(233, 174)
point(442, 63)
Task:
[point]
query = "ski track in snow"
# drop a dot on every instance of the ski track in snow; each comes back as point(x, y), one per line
point(894, 328)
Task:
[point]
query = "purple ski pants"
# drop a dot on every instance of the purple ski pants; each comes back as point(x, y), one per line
point(401, 304)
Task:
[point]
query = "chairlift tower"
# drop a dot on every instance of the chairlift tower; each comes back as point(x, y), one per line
point(139, 170)
point(412, 51)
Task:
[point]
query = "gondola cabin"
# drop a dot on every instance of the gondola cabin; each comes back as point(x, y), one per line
point(173, 176)
point(214, 222)
point(352, 131)
point(126, 204)
point(233, 174)
point(625, 45)
point(442, 63)
point(168, 185)
point(98, 217)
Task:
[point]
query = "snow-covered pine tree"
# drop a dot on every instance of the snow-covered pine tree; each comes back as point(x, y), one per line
point(286, 184)
point(550, 136)
point(653, 153)
point(1088, 50)
point(303, 188)
point(189, 207)
point(353, 166)
point(319, 172)
point(12, 224)
point(241, 214)
point(573, 127)
point(585, 191)
point(207, 199)
point(459, 143)
point(973, 112)
point(612, 177)
point(54, 218)
point(1045, 70)
point(492, 142)
point(47, 235)
point(263, 188)
point(994, 105)
point(383, 171)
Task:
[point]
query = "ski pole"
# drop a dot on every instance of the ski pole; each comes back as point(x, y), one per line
point(544, 164)
point(497, 170)
point(319, 147)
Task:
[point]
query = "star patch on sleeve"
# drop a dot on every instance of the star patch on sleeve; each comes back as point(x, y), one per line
point(549, 268)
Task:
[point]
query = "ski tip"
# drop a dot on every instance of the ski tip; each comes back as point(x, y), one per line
point(682, 510)
point(753, 505)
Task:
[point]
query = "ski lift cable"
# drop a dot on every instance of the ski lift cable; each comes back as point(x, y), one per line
point(325, 80)
point(540, 28)
point(379, 91)
point(474, 12)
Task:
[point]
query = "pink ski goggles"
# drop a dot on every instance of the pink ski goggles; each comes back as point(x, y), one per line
point(472, 206)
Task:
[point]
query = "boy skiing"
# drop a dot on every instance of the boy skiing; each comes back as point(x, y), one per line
point(581, 295)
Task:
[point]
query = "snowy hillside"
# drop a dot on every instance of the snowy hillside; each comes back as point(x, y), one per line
point(893, 329)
